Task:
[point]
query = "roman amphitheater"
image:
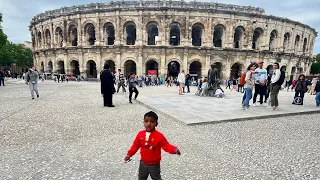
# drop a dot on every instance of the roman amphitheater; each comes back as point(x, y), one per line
point(167, 36)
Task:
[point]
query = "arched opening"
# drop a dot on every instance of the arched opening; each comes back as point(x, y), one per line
point(152, 68)
point(293, 72)
point(218, 35)
point(236, 69)
point(173, 68)
point(59, 37)
point(75, 67)
point(91, 69)
point(39, 39)
point(108, 30)
point(257, 34)
point(33, 40)
point(48, 37)
point(286, 41)
point(61, 67)
point(42, 67)
point(50, 66)
point(238, 37)
point(269, 69)
point(300, 70)
point(90, 34)
point(130, 33)
point(174, 34)
point(195, 69)
point(112, 65)
point(305, 41)
point(197, 31)
point(283, 68)
point(153, 33)
point(130, 67)
point(73, 34)
point(296, 43)
point(273, 40)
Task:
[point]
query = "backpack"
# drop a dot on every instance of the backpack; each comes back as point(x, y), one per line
point(243, 78)
point(281, 79)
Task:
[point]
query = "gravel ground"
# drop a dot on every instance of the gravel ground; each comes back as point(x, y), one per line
point(68, 134)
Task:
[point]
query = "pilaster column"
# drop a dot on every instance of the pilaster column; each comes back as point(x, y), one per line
point(97, 31)
point(185, 61)
point(79, 31)
point(207, 65)
point(118, 30)
point(163, 71)
point(81, 64)
point(118, 60)
point(139, 66)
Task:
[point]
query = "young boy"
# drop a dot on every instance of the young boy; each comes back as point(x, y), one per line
point(150, 142)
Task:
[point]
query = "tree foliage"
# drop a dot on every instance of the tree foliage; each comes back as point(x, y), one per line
point(13, 53)
point(315, 68)
point(318, 58)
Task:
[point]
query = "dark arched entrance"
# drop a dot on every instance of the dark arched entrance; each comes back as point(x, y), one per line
point(152, 65)
point(130, 67)
point(50, 66)
point(269, 69)
point(283, 68)
point(235, 71)
point(91, 69)
point(42, 67)
point(112, 65)
point(173, 68)
point(195, 69)
point(75, 67)
point(60, 67)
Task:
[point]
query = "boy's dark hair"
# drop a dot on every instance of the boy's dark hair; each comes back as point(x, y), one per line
point(152, 114)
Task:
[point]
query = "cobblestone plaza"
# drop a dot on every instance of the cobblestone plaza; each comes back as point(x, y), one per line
point(68, 134)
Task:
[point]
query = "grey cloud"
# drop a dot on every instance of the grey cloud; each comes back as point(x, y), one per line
point(18, 13)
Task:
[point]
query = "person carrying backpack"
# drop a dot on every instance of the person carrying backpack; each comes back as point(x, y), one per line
point(248, 81)
point(277, 80)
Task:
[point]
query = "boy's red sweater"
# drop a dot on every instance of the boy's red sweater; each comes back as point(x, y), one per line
point(151, 152)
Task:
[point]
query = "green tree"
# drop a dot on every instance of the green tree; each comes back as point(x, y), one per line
point(315, 68)
point(318, 58)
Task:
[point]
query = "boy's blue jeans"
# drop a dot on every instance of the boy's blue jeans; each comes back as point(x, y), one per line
point(247, 96)
point(318, 99)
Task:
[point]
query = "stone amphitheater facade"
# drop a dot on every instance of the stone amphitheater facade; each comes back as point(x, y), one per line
point(167, 36)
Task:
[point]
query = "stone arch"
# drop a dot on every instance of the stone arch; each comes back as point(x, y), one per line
point(239, 36)
point(61, 67)
point(152, 32)
point(48, 37)
point(75, 67)
point(152, 65)
point(197, 34)
point(39, 38)
point(174, 68)
point(218, 35)
point(90, 34)
point(50, 66)
point(42, 67)
point(305, 42)
point(283, 68)
point(130, 32)
point(273, 40)
point(195, 68)
point(73, 35)
point(175, 34)
point(130, 66)
point(59, 37)
point(286, 41)
point(256, 38)
point(269, 68)
point(296, 43)
point(112, 65)
point(236, 70)
point(91, 69)
point(108, 33)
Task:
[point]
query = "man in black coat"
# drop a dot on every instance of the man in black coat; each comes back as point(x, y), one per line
point(107, 86)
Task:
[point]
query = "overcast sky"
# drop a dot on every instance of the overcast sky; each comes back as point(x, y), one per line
point(18, 13)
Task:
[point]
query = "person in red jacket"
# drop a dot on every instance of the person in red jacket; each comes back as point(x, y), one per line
point(150, 141)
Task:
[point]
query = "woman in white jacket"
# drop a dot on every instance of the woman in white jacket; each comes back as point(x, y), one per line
point(181, 81)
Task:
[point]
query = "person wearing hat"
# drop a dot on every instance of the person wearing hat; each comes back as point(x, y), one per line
point(260, 87)
point(107, 86)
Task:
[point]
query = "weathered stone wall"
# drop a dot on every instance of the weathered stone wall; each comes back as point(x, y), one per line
point(52, 39)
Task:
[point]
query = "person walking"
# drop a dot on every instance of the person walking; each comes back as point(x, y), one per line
point(32, 77)
point(107, 86)
point(181, 80)
point(188, 79)
point(121, 81)
point(300, 90)
point(275, 86)
point(248, 86)
point(317, 90)
point(228, 83)
point(260, 87)
point(2, 76)
point(313, 86)
point(132, 87)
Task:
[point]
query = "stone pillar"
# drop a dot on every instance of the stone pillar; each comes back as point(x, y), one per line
point(187, 39)
point(207, 65)
point(185, 61)
point(54, 64)
point(79, 31)
point(208, 34)
point(118, 30)
point(139, 66)
point(163, 64)
point(118, 60)
point(281, 36)
point(226, 70)
point(82, 65)
point(139, 30)
point(98, 64)
point(97, 31)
